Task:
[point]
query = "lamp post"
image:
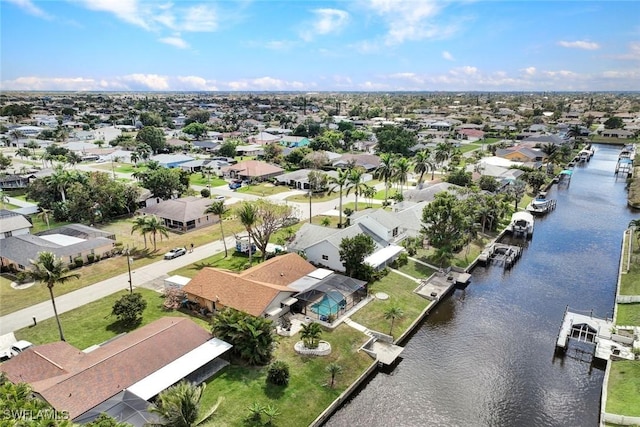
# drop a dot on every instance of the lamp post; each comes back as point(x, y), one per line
point(129, 269)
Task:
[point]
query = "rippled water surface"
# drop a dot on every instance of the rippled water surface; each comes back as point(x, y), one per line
point(485, 356)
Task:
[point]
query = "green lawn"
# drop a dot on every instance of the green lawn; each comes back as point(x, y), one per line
point(623, 395)
point(93, 324)
point(316, 197)
point(8, 206)
point(417, 270)
point(234, 262)
point(263, 189)
point(400, 291)
point(630, 282)
point(628, 314)
point(465, 148)
point(198, 179)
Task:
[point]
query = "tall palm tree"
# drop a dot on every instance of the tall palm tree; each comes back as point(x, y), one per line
point(179, 405)
point(422, 163)
point(154, 226)
point(401, 167)
point(333, 369)
point(392, 313)
point(60, 179)
point(43, 215)
point(339, 183)
point(140, 225)
point(443, 152)
point(134, 156)
point(355, 183)
point(49, 269)
point(551, 152)
point(218, 208)
point(248, 215)
point(385, 172)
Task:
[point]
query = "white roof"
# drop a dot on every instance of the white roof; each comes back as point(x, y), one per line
point(320, 273)
point(383, 255)
point(178, 280)
point(520, 215)
point(62, 239)
point(498, 161)
point(170, 374)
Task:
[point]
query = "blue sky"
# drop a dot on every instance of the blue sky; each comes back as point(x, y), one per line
point(349, 45)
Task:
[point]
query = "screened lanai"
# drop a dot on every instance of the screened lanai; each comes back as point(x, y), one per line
point(330, 298)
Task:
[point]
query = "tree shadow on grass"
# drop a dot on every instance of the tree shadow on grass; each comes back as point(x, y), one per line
point(120, 326)
point(273, 391)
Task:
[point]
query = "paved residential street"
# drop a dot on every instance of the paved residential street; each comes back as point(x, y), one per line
point(141, 277)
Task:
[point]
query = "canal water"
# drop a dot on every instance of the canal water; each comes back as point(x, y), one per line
point(485, 356)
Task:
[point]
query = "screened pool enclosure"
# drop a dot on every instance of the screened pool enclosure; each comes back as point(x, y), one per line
point(330, 298)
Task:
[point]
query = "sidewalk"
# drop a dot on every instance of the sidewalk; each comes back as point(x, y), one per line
point(139, 276)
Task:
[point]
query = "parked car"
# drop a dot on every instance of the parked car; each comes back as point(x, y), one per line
point(220, 197)
point(20, 346)
point(235, 185)
point(175, 253)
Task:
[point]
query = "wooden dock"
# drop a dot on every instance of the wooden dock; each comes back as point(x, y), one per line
point(500, 254)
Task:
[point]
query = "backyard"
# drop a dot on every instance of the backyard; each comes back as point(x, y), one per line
point(623, 395)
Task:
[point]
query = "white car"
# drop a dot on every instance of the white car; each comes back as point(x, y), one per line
point(175, 253)
point(220, 197)
point(20, 346)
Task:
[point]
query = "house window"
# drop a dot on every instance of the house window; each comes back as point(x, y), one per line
point(325, 257)
point(395, 232)
point(7, 234)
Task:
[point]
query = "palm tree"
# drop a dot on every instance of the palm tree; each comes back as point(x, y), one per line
point(385, 172)
point(60, 179)
point(333, 369)
point(310, 334)
point(3, 198)
point(218, 208)
point(134, 156)
point(339, 182)
point(179, 405)
point(393, 312)
point(422, 164)
point(255, 411)
point(44, 216)
point(443, 152)
point(401, 167)
point(355, 183)
point(49, 269)
point(370, 193)
point(271, 412)
point(140, 224)
point(154, 226)
point(517, 189)
point(248, 215)
point(550, 150)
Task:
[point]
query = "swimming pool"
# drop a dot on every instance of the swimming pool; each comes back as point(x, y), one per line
point(330, 303)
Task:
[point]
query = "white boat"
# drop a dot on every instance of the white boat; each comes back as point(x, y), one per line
point(541, 205)
point(521, 224)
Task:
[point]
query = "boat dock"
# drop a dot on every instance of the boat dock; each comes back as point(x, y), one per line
point(593, 330)
point(500, 254)
point(440, 284)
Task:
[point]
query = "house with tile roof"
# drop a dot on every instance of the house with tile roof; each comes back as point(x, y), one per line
point(252, 170)
point(258, 291)
point(141, 363)
point(184, 214)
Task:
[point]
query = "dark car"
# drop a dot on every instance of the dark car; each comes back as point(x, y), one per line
point(175, 252)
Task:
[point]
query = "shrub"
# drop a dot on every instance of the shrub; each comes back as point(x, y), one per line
point(78, 262)
point(205, 193)
point(128, 309)
point(91, 258)
point(402, 259)
point(21, 277)
point(278, 373)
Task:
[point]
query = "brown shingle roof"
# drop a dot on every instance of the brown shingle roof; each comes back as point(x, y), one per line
point(281, 270)
point(183, 209)
point(84, 380)
point(232, 290)
point(255, 168)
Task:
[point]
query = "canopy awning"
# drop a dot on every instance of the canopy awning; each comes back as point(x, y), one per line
point(290, 301)
point(274, 312)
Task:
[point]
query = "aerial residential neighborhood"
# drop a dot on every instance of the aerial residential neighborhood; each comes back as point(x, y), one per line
point(319, 213)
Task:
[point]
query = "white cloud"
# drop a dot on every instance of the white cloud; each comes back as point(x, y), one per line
point(176, 41)
point(130, 11)
point(50, 83)
point(579, 44)
point(530, 71)
point(30, 8)
point(146, 81)
point(194, 83)
point(466, 70)
point(266, 83)
point(327, 21)
point(633, 54)
point(447, 55)
point(200, 18)
point(408, 20)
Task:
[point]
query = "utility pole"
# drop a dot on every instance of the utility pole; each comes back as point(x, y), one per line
point(129, 269)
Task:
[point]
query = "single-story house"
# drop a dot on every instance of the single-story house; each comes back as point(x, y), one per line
point(250, 150)
point(545, 139)
point(252, 170)
point(520, 154)
point(617, 133)
point(171, 160)
point(259, 291)
point(367, 161)
point(184, 214)
point(294, 141)
point(13, 224)
point(12, 182)
point(469, 134)
point(202, 165)
point(263, 138)
point(428, 194)
point(67, 242)
point(120, 376)
point(208, 146)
